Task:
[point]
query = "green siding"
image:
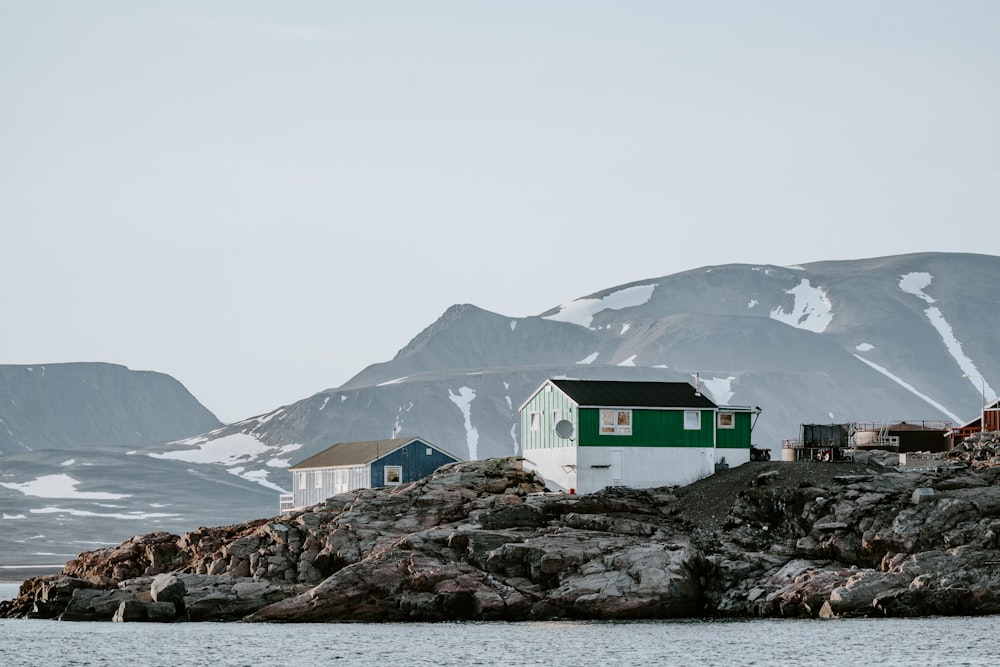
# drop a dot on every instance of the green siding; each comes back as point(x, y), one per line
point(546, 401)
point(650, 428)
point(738, 437)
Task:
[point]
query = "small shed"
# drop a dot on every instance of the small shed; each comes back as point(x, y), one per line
point(988, 420)
point(362, 465)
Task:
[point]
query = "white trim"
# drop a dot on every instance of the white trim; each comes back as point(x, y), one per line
point(616, 425)
point(535, 420)
point(385, 475)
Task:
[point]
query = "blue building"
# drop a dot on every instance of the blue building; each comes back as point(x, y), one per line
point(362, 465)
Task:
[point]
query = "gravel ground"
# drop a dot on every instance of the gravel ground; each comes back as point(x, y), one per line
point(707, 502)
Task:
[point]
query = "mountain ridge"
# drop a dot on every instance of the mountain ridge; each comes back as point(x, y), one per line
point(94, 404)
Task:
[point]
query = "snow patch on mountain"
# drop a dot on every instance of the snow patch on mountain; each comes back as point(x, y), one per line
point(812, 310)
point(231, 450)
point(909, 387)
point(463, 399)
point(257, 476)
point(60, 486)
point(915, 283)
point(582, 311)
point(628, 362)
point(864, 347)
point(589, 359)
point(128, 516)
point(720, 389)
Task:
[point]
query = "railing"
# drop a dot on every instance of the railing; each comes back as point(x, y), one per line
point(961, 433)
point(286, 502)
point(901, 425)
point(815, 449)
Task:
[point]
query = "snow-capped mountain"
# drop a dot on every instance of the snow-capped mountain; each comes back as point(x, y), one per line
point(72, 476)
point(865, 340)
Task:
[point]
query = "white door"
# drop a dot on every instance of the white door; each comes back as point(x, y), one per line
point(340, 484)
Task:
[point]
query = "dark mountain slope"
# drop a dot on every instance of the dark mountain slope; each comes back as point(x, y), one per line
point(77, 405)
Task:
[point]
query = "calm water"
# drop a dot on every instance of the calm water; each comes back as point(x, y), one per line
point(859, 643)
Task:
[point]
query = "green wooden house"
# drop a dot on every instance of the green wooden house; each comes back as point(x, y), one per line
point(585, 435)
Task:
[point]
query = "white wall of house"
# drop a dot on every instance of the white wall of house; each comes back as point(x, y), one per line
point(556, 465)
point(314, 485)
point(642, 467)
point(590, 469)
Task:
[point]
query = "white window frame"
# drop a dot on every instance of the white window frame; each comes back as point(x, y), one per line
point(318, 479)
point(729, 416)
point(556, 417)
point(535, 421)
point(399, 475)
point(303, 480)
point(615, 422)
point(692, 420)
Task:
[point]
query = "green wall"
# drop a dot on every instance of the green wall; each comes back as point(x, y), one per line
point(650, 428)
point(738, 437)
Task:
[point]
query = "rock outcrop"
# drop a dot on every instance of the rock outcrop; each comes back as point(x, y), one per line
point(481, 540)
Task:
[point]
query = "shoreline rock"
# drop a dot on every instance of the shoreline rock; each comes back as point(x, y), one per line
point(481, 540)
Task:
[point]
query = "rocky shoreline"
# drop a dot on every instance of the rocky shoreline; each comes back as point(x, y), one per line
point(480, 540)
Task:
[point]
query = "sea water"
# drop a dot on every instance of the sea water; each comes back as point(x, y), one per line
point(853, 642)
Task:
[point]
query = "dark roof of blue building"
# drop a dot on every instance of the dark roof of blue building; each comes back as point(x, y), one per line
point(359, 453)
point(627, 394)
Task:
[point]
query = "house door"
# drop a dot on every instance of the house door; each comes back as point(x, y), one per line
point(616, 465)
point(340, 481)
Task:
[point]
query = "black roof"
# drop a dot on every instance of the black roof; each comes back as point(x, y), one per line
point(617, 393)
point(359, 453)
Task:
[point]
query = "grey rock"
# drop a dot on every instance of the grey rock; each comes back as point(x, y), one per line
point(804, 545)
point(131, 610)
point(167, 588)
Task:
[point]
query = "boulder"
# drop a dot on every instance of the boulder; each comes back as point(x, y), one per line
point(167, 588)
point(129, 611)
point(89, 604)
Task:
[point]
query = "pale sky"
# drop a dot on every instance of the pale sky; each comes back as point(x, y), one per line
point(262, 198)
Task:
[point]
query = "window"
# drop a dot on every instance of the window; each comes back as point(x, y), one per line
point(727, 420)
point(556, 417)
point(393, 475)
point(302, 479)
point(692, 420)
point(318, 479)
point(428, 451)
point(616, 422)
point(536, 421)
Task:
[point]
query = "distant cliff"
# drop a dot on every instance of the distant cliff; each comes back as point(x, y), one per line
point(86, 405)
point(477, 541)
